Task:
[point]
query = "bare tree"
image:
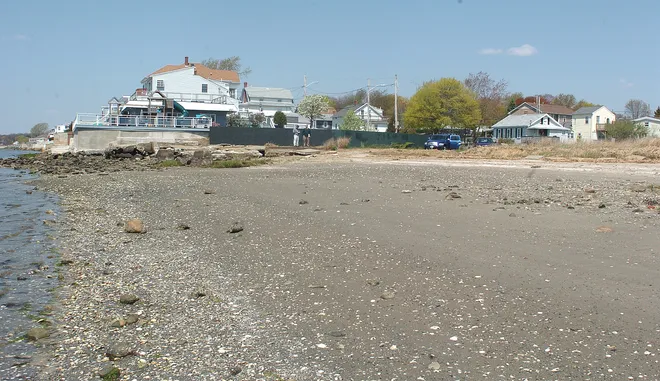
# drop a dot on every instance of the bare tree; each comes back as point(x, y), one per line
point(637, 108)
point(231, 64)
point(567, 100)
point(492, 96)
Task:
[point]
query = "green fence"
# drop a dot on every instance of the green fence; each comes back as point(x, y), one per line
point(284, 137)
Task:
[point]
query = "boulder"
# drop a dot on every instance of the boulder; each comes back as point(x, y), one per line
point(165, 154)
point(110, 372)
point(128, 299)
point(119, 350)
point(201, 157)
point(146, 149)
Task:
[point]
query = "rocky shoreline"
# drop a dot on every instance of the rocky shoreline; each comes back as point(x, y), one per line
point(300, 272)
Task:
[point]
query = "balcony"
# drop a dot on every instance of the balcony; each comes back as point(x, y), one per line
point(187, 97)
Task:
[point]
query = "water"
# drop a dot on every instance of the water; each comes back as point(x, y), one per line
point(28, 255)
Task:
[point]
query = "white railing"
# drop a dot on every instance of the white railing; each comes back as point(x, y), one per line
point(142, 121)
point(189, 97)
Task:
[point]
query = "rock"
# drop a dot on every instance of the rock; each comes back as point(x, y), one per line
point(110, 373)
point(638, 210)
point(50, 212)
point(38, 333)
point(66, 262)
point(453, 195)
point(28, 192)
point(589, 190)
point(183, 226)
point(373, 282)
point(638, 188)
point(119, 350)
point(387, 295)
point(235, 370)
point(604, 229)
point(208, 191)
point(303, 202)
point(235, 228)
point(146, 148)
point(198, 294)
point(343, 203)
point(128, 299)
point(512, 215)
point(434, 365)
point(602, 206)
point(406, 191)
point(118, 323)
point(365, 200)
point(134, 226)
point(201, 157)
point(165, 154)
point(21, 277)
point(132, 319)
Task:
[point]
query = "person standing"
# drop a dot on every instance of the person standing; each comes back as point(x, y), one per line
point(307, 134)
point(296, 136)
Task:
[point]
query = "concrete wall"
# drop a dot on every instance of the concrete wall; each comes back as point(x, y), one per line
point(100, 138)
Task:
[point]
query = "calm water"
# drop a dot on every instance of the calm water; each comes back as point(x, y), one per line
point(28, 255)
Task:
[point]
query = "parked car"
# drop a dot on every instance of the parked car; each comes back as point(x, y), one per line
point(482, 142)
point(437, 141)
point(454, 142)
point(443, 141)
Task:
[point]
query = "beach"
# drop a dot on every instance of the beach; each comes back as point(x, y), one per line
point(357, 269)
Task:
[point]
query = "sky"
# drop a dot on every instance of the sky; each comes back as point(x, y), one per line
point(64, 57)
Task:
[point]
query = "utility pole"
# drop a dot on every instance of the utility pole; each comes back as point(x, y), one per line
point(368, 106)
point(396, 103)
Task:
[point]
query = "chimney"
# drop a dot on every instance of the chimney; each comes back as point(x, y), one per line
point(244, 84)
point(186, 61)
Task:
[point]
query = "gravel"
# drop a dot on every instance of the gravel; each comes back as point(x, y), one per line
point(438, 283)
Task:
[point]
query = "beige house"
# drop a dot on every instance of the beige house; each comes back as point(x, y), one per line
point(589, 122)
point(652, 124)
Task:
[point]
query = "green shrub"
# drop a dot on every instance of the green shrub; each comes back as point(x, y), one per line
point(404, 145)
point(238, 163)
point(170, 163)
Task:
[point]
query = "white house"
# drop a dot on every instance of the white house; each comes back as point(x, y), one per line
point(373, 117)
point(194, 82)
point(530, 126)
point(589, 122)
point(60, 128)
point(652, 124)
point(266, 100)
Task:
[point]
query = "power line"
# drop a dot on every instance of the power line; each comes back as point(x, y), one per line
point(350, 91)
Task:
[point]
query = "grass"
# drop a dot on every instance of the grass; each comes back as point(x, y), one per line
point(334, 144)
point(629, 151)
point(28, 155)
point(238, 163)
point(170, 163)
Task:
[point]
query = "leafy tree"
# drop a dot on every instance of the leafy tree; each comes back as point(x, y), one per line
point(256, 120)
point(313, 106)
point(235, 120)
point(657, 113)
point(279, 119)
point(39, 129)
point(22, 139)
point(231, 63)
point(567, 100)
point(532, 99)
point(351, 122)
point(637, 108)
point(441, 104)
point(385, 102)
point(625, 129)
point(583, 103)
point(358, 97)
point(511, 101)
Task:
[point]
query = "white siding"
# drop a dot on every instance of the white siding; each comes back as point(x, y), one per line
point(185, 81)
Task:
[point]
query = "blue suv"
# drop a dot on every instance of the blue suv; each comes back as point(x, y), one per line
point(443, 141)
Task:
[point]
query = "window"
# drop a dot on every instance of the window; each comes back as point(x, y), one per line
point(205, 88)
point(542, 120)
point(160, 85)
point(646, 124)
point(279, 100)
point(232, 93)
point(608, 121)
point(597, 119)
point(362, 113)
point(586, 120)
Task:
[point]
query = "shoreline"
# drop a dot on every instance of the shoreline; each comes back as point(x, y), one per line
point(269, 302)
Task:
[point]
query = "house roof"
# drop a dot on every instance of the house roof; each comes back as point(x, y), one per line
point(268, 92)
point(341, 113)
point(546, 108)
point(587, 110)
point(526, 120)
point(344, 111)
point(202, 71)
point(647, 118)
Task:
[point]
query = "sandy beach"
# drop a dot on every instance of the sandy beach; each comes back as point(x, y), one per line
point(359, 269)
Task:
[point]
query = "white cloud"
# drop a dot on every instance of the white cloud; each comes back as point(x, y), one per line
point(522, 51)
point(625, 83)
point(490, 51)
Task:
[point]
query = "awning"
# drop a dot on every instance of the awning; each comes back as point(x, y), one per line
point(196, 106)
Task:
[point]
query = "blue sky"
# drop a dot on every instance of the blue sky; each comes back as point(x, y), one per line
point(63, 57)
